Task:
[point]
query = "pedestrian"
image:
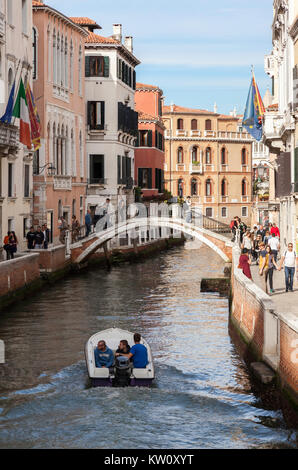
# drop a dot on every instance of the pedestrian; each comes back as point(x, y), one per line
point(30, 238)
point(267, 237)
point(242, 227)
point(13, 242)
point(46, 234)
point(234, 227)
point(267, 267)
point(88, 222)
point(187, 208)
point(75, 229)
point(244, 263)
point(247, 242)
point(289, 261)
point(274, 245)
point(262, 232)
point(257, 248)
point(39, 239)
point(63, 227)
point(6, 245)
point(275, 230)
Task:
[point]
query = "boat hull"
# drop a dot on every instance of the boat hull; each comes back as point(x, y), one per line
point(95, 382)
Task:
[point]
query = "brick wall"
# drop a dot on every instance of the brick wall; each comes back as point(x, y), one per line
point(52, 259)
point(288, 364)
point(19, 272)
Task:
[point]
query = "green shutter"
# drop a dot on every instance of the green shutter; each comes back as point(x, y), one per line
point(106, 72)
point(296, 170)
point(102, 117)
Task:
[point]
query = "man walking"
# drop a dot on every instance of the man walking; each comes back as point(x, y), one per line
point(30, 238)
point(289, 260)
point(88, 222)
point(39, 238)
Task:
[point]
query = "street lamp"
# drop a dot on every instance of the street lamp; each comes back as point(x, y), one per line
point(40, 170)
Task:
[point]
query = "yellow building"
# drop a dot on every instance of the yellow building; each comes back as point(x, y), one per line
point(209, 158)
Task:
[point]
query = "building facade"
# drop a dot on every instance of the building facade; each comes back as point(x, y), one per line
point(281, 119)
point(149, 154)
point(15, 158)
point(208, 158)
point(112, 123)
point(59, 88)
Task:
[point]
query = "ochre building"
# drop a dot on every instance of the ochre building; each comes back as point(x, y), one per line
point(208, 156)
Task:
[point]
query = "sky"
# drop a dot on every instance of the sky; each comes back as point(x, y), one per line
point(198, 52)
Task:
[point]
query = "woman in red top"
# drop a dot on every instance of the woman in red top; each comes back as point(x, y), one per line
point(245, 262)
point(275, 230)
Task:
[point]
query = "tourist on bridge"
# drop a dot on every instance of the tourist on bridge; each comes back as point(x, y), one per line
point(273, 242)
point(262, 231)
point(247, 242)
point(88, 222)
point(75, 229)
point(38, 239)
point(46, 233)
point(267, 265)
point(8, 245)
point(234, 225)
point(30, 238)
point(187, 209)
point(289, 260)
point(104, 356)
point(245, 262)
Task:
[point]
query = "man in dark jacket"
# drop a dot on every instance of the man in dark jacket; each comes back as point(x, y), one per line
point(39, 238)
point(30, 238)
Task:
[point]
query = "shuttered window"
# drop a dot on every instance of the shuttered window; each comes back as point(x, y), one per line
point(97, 66)
point(96, 115)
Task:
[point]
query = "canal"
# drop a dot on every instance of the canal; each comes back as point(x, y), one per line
point(202, 397)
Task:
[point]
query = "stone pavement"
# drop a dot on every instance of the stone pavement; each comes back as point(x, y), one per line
point(285, 302)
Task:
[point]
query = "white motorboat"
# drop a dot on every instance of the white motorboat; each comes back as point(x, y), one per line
point(122, 371)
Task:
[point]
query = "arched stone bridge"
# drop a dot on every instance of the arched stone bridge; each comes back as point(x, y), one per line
point(81, 251)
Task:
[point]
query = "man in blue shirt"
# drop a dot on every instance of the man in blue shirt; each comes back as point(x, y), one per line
point(104, 356)
point(138, 353)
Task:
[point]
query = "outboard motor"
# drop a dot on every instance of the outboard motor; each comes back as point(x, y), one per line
point(122, 372)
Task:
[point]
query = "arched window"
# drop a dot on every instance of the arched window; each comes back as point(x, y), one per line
point(208, 187)
point(244, 187)
point(243, 157)
point(223, 187)
point(180, 187)
point(73, 207)
point(180, 155)
point(223, 156)
point(208, 156)
point(194, 187)
point(194, 124)
point(180, 124)
point(66, 64)
point(208, 125)
point(80, 70)
point(71, 65)
point(60, 208)
point(194, 154)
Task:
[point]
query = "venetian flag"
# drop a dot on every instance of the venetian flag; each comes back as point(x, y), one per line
point(34, 118)
point(21, 111)
point(254, 112)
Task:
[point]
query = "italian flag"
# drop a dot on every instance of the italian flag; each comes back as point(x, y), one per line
point(21, 111)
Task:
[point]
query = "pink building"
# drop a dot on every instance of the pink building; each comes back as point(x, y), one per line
point(149, 154)
point(59, 90)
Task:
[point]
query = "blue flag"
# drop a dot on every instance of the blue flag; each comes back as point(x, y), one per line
point(7, 116)
point(254, 112)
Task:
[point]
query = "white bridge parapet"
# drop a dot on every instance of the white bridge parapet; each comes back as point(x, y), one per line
point(146, 223)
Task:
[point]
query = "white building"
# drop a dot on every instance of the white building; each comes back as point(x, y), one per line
point(112, 123)
point(281, 116)
point(15, 159)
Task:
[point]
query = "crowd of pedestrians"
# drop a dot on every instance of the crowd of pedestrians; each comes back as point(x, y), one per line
point(261, 245)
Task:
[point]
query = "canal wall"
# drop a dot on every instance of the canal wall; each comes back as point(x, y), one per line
point(271, 336)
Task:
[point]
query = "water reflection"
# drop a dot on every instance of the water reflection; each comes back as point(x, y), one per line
point(202, 396)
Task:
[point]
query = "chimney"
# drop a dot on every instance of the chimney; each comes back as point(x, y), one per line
point(215, 108)
point(172, 107)
point(117, 32)
point(128, 43)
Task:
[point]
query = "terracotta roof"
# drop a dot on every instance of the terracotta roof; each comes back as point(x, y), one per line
point(37, 4)
point(181, 109)
point(93, 38)
point(146, 117)
point(85, 21)
point(143, 85)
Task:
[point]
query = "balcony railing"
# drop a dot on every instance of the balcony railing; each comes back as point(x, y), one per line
point(8, 137)
point(196, 167)
point(210, 135)
point(97, 181)
point(63, 182)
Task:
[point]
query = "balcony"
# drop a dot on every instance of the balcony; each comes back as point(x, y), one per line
point(196, 167)
point(195, 133)
point(62, 182)
point(9, 139)
point(181, 133)
point(98, 181)
point(273, 128)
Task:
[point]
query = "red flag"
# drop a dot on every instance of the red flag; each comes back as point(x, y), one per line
point(34, 119)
